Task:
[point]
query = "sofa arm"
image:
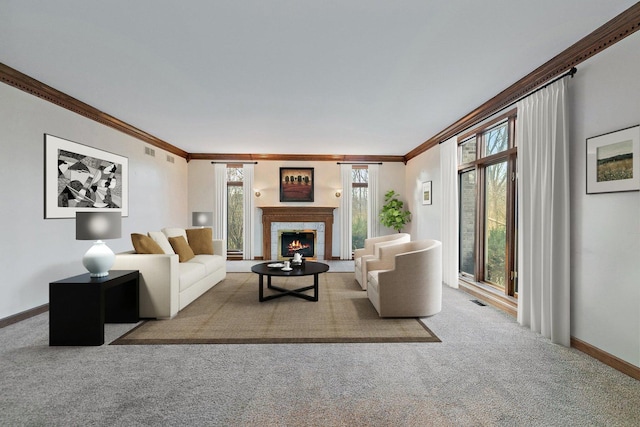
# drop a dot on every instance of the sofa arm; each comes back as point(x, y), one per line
point(159, 282)
point(220, 248)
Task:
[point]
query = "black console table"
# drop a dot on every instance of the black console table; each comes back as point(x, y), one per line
point(79, 306)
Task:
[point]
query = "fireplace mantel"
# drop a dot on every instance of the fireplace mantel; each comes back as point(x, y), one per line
point(297, 214)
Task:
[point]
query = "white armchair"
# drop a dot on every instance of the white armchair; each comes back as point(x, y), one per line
point(370, 252)
point(406, 279)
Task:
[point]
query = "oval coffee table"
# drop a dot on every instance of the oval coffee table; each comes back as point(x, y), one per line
point(307, 268)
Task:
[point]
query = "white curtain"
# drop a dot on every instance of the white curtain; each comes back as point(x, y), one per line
point(345, 212)
point(248, 208)
point(450, 224)
point(373, 203)
point(220, 201)
point(543, 213)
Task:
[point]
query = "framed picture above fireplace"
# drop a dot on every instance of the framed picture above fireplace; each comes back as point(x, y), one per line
point(296, 184)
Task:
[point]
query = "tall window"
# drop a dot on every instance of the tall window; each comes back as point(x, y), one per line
point(359, 194)
point(487, 180)
point(235, 222)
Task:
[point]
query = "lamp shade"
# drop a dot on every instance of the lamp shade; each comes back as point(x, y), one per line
point(202, 219)
point(98, 225)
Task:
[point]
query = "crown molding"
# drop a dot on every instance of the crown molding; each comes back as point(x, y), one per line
point(34, 87)
point(605, 36)
point(623, 25)
point(297, 157)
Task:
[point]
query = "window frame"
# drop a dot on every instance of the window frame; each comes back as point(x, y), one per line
point(476, 281)
point(233, 253)
point(355, 185)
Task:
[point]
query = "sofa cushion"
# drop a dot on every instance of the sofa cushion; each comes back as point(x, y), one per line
point(145, 244)
point(182, 248)
point(175, 232)
point(200, 240)
point(211, 263)
point(190, 273)
point(161, 239)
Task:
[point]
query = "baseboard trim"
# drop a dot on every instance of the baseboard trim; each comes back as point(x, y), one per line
point(606, 358)
point(493, 300)
point(23, 315)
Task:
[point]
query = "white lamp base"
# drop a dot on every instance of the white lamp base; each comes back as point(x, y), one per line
point(99, 259)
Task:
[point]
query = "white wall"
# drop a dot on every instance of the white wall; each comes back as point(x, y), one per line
point(266, 180)
point(35, 251)
point(605, 244)
point(426, 219)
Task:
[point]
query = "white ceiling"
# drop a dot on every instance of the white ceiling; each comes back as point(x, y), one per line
point(372, 77)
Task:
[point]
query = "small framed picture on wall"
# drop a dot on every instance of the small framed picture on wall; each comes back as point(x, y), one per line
point(613, 161)
point(426, 193)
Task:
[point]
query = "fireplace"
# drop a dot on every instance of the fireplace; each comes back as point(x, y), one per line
point(289, 218)
point(291, 242)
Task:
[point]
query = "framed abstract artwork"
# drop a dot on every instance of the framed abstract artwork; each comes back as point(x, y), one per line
point(82, 178)
point(426, 193)
point(296, 184)
point(613, 161)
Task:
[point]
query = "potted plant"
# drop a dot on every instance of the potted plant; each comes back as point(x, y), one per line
point(393, 214)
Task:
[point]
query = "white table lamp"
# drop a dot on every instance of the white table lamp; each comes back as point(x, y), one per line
point(98, 226)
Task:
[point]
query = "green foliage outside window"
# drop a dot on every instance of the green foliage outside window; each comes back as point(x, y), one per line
point(496, 244)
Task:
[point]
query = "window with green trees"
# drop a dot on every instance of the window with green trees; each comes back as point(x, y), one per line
point(487, 183)
point(359, 194)
point(235, 210)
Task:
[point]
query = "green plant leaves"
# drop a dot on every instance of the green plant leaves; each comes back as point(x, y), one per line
point(393, 214)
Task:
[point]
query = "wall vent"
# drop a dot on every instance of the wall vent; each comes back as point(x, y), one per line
point(170, 159)
point(480, 303)
point(149, 151)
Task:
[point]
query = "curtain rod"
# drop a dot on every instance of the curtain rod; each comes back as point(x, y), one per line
point(569, 73)
point(363, 163)
point(234, 163)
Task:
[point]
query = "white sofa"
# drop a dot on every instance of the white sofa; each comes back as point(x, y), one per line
point(370, 251)
point(166, 285)
point(406, 281)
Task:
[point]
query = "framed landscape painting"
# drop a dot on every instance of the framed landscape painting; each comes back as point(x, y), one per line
point(82, 178)
point(296, 184)
point(613, 161)
point(426, 193)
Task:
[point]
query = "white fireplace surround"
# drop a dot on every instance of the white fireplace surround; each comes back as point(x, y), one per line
point(318, 227)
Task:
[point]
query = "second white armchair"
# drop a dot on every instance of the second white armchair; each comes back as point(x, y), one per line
point(370, 251)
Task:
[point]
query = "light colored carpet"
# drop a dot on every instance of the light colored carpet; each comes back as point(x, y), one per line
point(487, 371)
point(230, 313)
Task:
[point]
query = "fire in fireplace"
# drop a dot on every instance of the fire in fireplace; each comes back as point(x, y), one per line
point(302, 242)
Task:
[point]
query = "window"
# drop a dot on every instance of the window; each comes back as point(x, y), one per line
point(359, 194)
point(235, 210)
point(487, 184)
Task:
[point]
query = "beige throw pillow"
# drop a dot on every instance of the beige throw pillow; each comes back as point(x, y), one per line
point(161, 239)
point(182, 248)
point(201, 240)
point(145, 244)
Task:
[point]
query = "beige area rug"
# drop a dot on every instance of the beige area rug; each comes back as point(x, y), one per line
point(230, 313)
